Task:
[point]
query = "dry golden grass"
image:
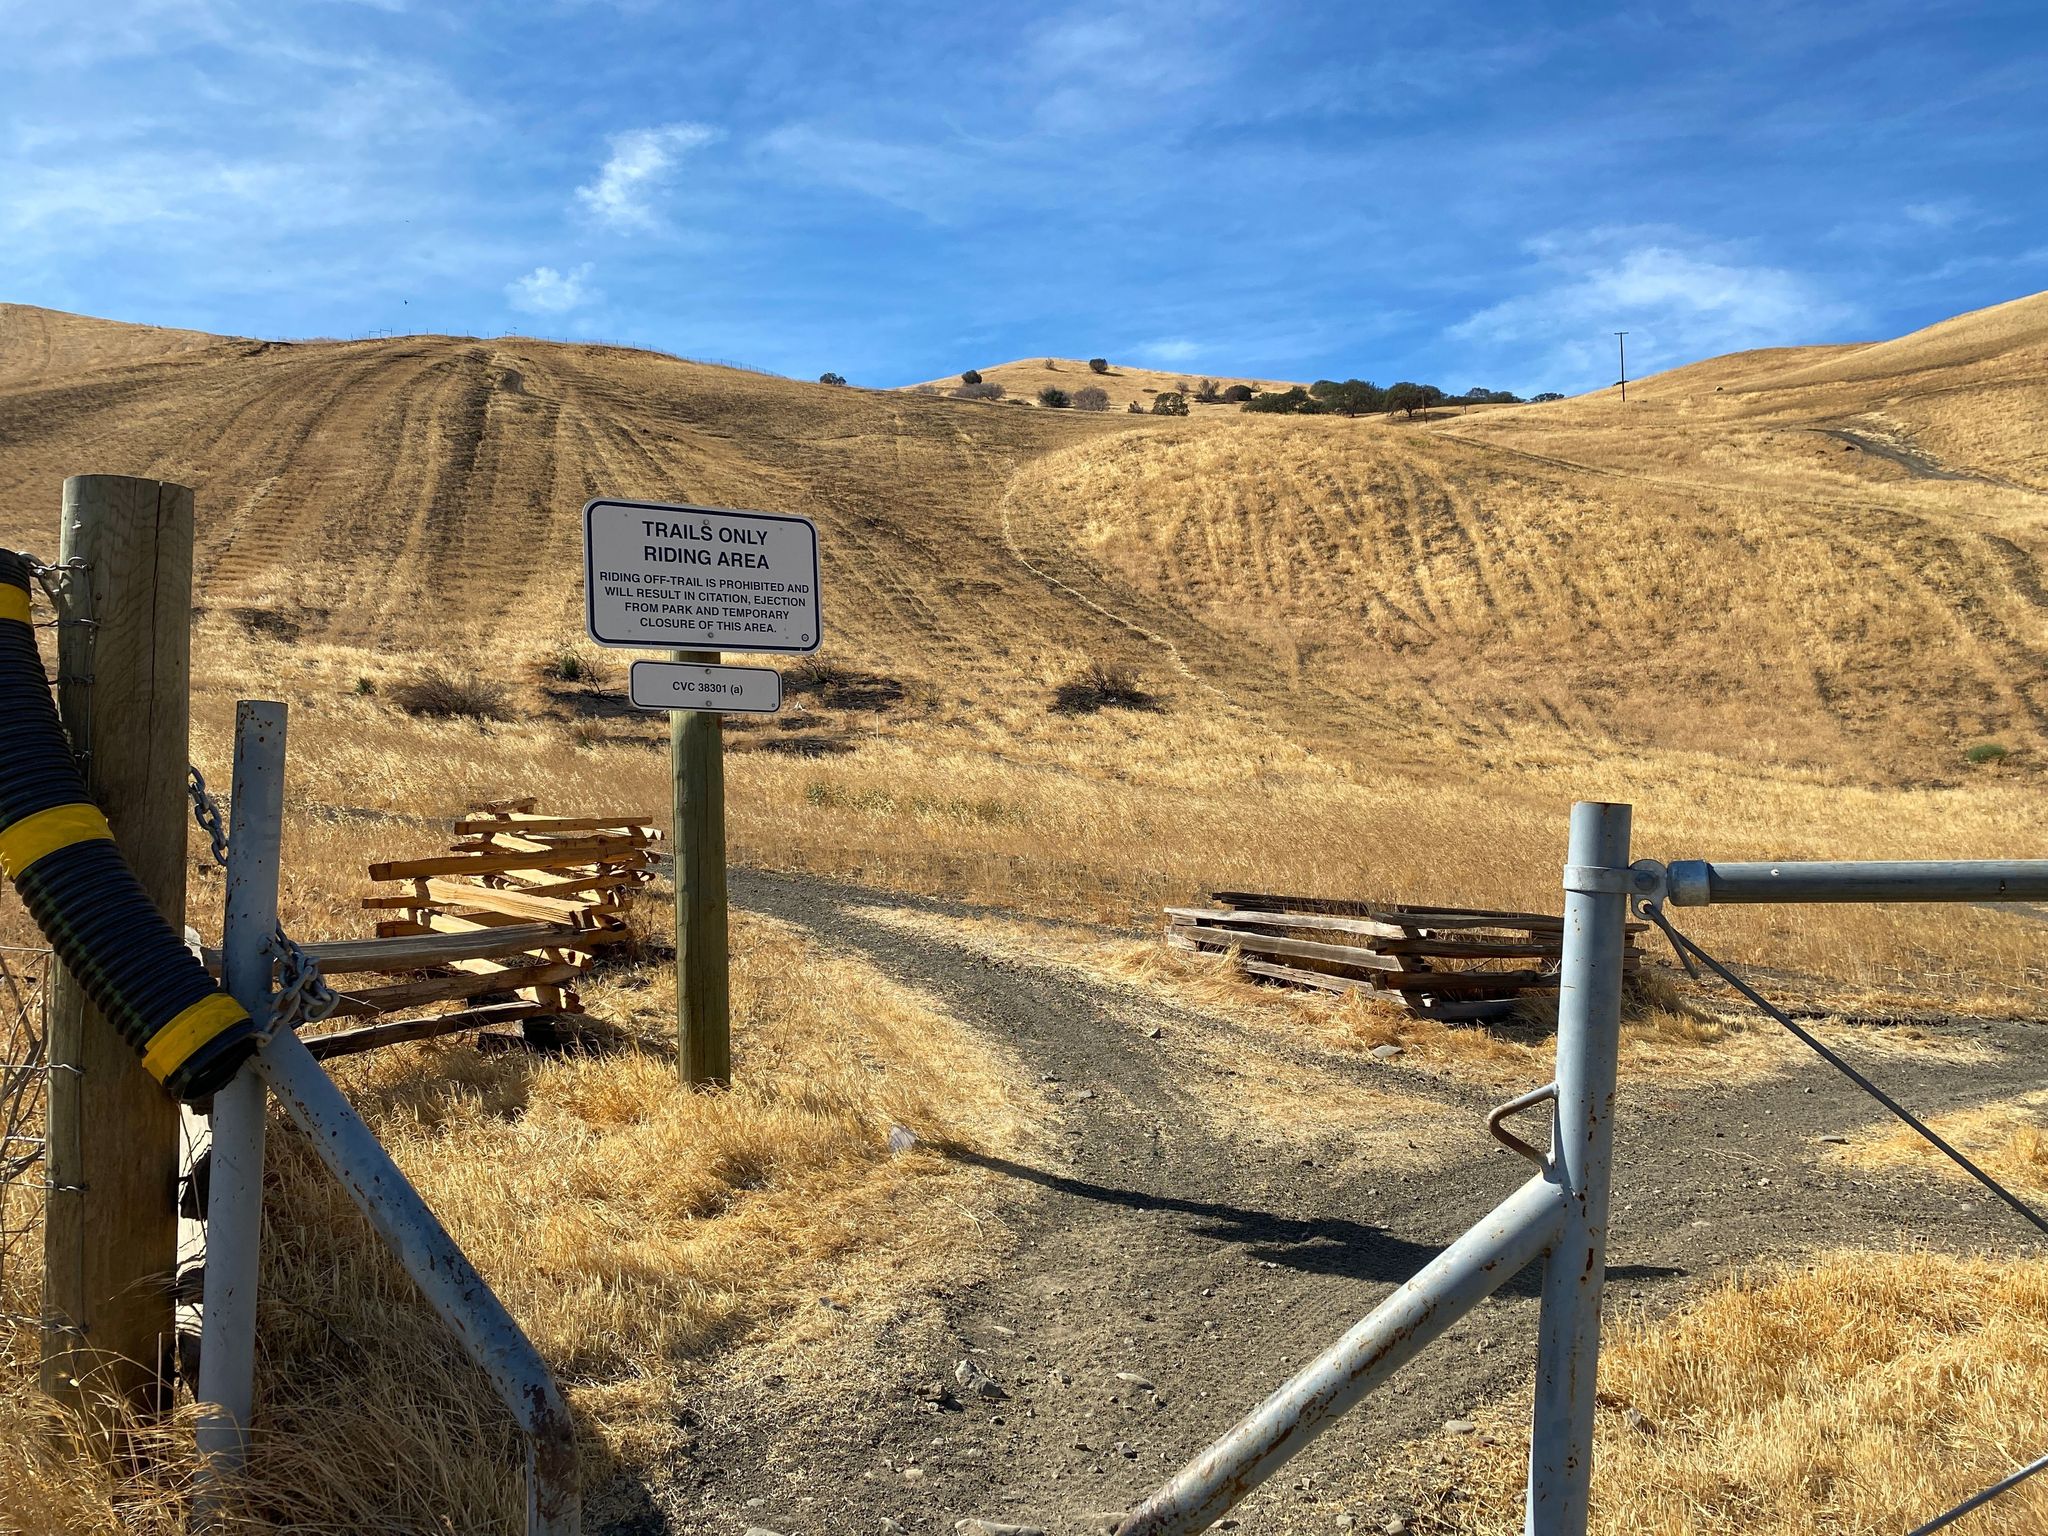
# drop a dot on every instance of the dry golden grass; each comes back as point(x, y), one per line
point(634, 1230)
point(1862, 1393)
point(2009, 1141)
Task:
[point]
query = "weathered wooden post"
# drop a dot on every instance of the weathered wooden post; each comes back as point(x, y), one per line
point(111, 1231)
point(703, 992)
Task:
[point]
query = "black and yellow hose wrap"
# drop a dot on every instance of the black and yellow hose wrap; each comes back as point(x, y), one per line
point(57, 849)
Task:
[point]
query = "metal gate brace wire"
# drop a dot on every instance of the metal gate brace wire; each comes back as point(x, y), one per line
point(1652, 910)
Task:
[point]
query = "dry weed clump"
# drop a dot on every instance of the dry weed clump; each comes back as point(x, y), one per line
point(440, 694)
point(1098, 687)
point(1861, 1393)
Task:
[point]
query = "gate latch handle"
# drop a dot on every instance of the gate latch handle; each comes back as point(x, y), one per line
point(1508, 1138)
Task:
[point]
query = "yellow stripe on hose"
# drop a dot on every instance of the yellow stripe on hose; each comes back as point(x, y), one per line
point(178, 1041)
point(13, 602)
point(33, 837)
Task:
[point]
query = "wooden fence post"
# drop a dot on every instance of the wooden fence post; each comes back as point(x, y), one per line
point(703, 1002)
point(111, 1231)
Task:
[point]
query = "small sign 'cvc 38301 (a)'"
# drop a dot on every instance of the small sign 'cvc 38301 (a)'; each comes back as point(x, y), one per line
point(661, 577)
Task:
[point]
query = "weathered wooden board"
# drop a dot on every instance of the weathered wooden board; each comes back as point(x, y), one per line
point(438, 989)
point(587, 851)
point(368, 1037)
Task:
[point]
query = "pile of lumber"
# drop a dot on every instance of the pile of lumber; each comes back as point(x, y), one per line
point(504, 923)
point(1458, 964)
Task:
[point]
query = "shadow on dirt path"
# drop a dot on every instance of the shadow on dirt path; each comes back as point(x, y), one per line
point(1165, 1271)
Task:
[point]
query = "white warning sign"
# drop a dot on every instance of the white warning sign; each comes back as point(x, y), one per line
point(713, 690)
point(680, 578)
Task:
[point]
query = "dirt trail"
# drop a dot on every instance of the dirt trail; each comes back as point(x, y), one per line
point(1162, 1243)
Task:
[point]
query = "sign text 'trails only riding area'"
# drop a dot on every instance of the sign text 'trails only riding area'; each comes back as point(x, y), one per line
point(681, 578)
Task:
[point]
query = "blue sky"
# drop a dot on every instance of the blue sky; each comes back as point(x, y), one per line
point(1475, 194)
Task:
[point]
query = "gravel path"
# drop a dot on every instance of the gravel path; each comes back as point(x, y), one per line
point(1168, 1273)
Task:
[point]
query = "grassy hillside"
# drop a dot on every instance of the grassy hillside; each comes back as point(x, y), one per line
point(1774, 601)
point(1771, 594)
point(1124, 384)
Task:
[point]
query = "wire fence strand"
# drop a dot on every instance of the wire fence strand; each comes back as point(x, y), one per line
point(24, 1100)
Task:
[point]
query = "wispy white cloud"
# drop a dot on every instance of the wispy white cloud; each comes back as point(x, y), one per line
point(1679, 298)
point(545, 291)
point(1170, 350)
point(1943, 214)
point(924, 178)
point(641, 165)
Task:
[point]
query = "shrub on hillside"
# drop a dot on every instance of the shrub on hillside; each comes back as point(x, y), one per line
point(1353, 397)
point(831, 378)
point(442, 695)
point(1987, 752)
point(572, 665)
point(1135, 409)
point(1278, 402)
point(1053, 398)
point(1098, 687)
point(1091, 399)
point(978, 391)
point(1171, 403)
point(1098, 365)
point(970, 377)
point(1237, 394)
point(1545, 398)
point(1206, 392)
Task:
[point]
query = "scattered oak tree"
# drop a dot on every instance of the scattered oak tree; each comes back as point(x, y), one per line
point(1091, 399)
point(1098, 365)
point(1170, 403)
point(970, 377)
point(978, 391)
point(831, 378)
point(1053, 398)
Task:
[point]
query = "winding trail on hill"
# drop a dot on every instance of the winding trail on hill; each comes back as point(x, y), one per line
point(1158, 1238)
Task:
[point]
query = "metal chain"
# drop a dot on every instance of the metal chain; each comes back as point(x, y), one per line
point(1651, 909)
point(303, 995)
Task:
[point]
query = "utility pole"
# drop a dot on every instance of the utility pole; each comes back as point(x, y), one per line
point(1621, 341)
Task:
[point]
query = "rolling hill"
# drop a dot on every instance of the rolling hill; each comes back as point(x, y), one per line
point(1770, 587)
point(1126, 385)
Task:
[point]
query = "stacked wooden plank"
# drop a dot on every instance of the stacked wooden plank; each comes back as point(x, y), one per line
point(1458, 964)
point(504, 923)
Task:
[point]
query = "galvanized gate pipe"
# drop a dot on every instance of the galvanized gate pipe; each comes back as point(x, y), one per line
point(1561, 1215)
point(234, 1204)
point(469, 1307)
point(358, 1160)
point(1698, 883)
point(1479, 1263)
point(1597, 885)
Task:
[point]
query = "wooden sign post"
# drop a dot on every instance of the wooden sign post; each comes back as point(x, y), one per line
point(703, 985)
point(657, 574)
